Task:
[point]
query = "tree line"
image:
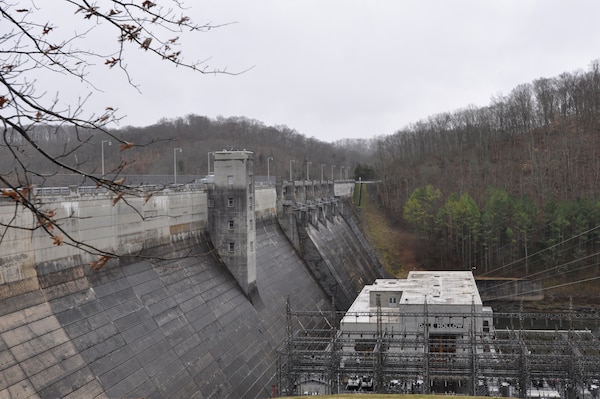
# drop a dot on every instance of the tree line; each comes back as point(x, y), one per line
point(540, 139)
point(506, 235)
point(199, 137)
point(491, 186)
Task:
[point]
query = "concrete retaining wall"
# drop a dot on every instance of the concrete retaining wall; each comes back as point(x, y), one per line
point(125, 229)
point(344, 189)
point(265, 202)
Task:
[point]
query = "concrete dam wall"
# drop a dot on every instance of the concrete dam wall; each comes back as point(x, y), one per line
point(177, 328)
point(168, 318)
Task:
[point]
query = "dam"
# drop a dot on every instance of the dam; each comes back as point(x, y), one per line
point(178, 294)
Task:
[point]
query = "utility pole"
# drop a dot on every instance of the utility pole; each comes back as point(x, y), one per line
point(269, 170)
point(102, 145)
point(175, 164)
point(291, 162)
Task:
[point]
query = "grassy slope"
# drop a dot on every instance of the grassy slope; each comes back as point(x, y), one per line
point(394, 246)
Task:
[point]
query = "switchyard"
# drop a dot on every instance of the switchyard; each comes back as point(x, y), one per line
point(515, 361)
point(442, 350)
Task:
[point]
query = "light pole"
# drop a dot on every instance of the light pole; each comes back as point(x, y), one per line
point(175, 164)
point(332, 177)
point(102, 145)
point(269, 170)
point(307, 170)
point(322, 166)
point(209, 154)
point(291, 162)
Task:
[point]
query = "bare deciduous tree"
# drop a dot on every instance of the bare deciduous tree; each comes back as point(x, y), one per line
point(32, 47)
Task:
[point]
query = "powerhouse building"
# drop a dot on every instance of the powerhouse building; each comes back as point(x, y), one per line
point(429, 311)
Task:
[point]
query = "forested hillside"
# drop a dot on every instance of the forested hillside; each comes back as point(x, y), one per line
point(153, 148)
point(198, 136)
point(511, 188)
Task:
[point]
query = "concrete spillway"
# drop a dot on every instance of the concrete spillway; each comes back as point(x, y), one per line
point(342, 264)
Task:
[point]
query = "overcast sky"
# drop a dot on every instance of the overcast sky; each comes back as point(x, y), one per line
point(357, 69)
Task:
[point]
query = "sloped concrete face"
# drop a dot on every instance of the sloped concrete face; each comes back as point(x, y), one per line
point(339, 258)
point(179, 328)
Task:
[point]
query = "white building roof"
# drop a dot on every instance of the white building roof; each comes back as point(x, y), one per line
point(437, 287)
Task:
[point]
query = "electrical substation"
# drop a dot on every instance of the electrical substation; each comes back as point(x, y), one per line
point(431, 334)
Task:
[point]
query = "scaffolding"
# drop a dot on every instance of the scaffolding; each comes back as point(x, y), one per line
point(547, 355)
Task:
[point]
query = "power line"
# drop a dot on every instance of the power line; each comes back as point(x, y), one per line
point(540, 251)
point(552, 287)
point(557, 267)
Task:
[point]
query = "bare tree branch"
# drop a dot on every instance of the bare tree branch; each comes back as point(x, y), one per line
point(31, 45)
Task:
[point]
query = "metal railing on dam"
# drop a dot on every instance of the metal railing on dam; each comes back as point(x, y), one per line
point(71, 184)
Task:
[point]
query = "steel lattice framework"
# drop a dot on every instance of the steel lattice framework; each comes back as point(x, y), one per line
point(527, 355)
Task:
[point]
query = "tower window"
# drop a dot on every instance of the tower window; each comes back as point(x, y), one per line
point(231, 246)
point(230, 202)
point(230, 225)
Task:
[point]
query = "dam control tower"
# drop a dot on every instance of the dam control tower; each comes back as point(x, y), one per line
point(231, 213)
